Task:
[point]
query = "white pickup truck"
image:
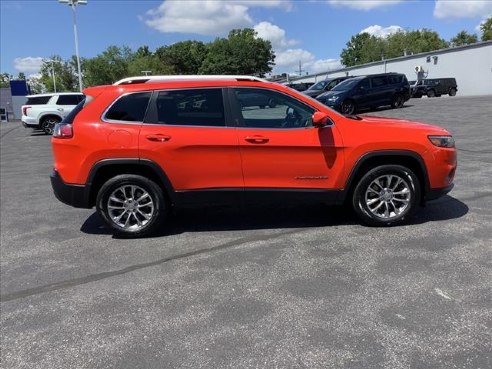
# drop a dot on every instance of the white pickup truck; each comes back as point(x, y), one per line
point(45, 110)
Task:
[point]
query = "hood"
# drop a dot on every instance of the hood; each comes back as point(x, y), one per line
point(329, 94)
point(402, 123)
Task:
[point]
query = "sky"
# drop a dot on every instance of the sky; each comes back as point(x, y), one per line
point(312, 32)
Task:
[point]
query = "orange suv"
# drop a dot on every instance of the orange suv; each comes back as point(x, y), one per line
point(145, 144)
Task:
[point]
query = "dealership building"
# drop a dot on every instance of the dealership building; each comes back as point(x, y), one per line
point(471, 65)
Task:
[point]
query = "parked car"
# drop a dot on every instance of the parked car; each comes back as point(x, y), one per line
point(434, 87)
point(45, 110)
point(142, 149)
point(368, 91)
point(324, 86)
point(248, 99)
point(303, 86)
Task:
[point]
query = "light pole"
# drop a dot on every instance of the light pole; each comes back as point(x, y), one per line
point(73, 4)
point(53, 72)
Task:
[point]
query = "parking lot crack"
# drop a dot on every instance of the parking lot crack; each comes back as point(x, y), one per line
point(99, 276)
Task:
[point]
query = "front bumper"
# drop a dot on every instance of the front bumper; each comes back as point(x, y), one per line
point(435, 193)
point(70, 194)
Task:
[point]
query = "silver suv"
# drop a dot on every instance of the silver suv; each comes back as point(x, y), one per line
point(45, 110)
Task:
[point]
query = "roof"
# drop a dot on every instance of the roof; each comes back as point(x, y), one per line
point(55, 94)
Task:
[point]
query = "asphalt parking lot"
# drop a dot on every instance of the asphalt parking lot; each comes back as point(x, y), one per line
point(271, 287)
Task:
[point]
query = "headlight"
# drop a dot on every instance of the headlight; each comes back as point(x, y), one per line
point(442, 141)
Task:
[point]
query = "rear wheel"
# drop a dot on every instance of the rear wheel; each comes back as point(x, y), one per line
point(348, 107)
point(48, 124)
point(452, 92)
point(397, 101)
point(386, 195)
point(132, 205)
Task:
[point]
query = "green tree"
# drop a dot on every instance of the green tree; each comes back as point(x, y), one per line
point(363, 48)
point(107, 67)
point(65, 76)
point(21, 75)
point(144, 60)
point(464, 38)
point(242, 52)
point(486, 29)
point(5, 80)
point(184, 57)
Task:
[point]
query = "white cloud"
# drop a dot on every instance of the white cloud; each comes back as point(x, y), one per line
point(274, 34)
point(321, 65)
point(206, 17)
point(462, 9)
point(378, 31)
point(364, 4)
point(28, 64)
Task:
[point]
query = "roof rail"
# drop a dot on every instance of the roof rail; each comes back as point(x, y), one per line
point(147, 79)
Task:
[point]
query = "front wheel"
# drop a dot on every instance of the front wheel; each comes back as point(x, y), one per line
point(431, 93)
point(386, 195)
point(452, 92)
point(348, 107)
point(132, 205)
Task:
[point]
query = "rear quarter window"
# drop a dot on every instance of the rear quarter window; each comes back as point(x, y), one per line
point(129, 108)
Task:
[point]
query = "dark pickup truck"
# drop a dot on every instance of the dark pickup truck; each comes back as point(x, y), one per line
point(434, 87)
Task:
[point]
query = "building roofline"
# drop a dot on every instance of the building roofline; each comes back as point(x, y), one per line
point(399, 58)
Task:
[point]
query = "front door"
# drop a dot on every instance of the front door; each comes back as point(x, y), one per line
point(280, 148)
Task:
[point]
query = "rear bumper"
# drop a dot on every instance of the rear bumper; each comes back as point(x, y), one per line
point(29, 122)
point(73, 195)
point(435, 193)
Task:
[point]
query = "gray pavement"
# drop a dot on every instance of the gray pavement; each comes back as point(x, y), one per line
point(302, 287)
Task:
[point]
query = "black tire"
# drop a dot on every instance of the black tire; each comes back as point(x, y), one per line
point(272, 103)
point(394, 202)
point(397, 101)
point(48, 124)
point(431, 93)
point(348, 107)
point(452, 92)
point(143, 185)
point(262, 106)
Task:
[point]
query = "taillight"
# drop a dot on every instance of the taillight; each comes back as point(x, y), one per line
point(63, 130)
point(24, 109)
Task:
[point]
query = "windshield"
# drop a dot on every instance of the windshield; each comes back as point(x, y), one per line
point(318, 86)
point(346, 85)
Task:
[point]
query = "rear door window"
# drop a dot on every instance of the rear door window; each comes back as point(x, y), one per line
point(193, 107)
point(379, 81)
point(129, 108)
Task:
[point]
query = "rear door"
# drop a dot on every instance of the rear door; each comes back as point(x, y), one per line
point(381, 91)
point(188, 134)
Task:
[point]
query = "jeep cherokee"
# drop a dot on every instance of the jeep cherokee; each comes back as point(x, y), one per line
point(135, 149)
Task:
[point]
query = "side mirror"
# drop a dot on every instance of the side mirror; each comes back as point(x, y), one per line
point(320, 119)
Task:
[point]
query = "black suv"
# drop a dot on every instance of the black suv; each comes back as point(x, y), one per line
point(368, 91)
point(434, 87)
point(324, 86)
